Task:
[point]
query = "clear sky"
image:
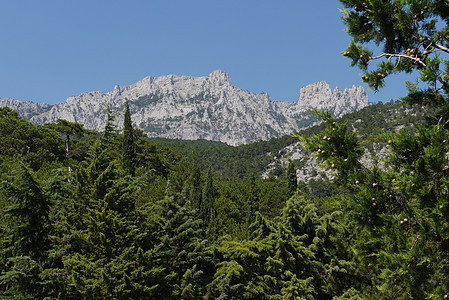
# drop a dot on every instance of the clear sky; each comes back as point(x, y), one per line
point(51, 50)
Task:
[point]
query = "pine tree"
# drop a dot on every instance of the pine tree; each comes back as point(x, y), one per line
point(410, 36)
point(69, 129)
point(128, 152)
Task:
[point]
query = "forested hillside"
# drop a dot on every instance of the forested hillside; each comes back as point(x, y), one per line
point(243, 160)
point(115, 215)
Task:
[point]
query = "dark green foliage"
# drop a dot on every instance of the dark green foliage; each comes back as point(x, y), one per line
point(110, 129)
point(111, 249)
point(189, 256)
point(398, 214)
point(69, 129)
point(25, 236)
point(295, 256)
point(36, 144)
point(253, 199)
point(128, 152)
point(292, 179)
point(207, 209)
point(29, 212)
point(226, 160)
point(195, 187)
point(273, 193)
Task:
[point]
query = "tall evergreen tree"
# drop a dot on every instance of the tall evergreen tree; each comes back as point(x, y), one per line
point(292, 179)
point(189, 257)
point(195, 190)
point(128, 151)
point(109, 248)
point(253, 199)
point(110, 129)
point(26, 238)
point(208, 210)
point(30, 213)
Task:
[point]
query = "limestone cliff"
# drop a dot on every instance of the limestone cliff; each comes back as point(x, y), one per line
point(209, 107)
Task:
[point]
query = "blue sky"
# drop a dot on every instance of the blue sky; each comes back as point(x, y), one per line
point(51, 50)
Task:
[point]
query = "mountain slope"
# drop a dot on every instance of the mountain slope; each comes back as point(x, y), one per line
point(271, 158)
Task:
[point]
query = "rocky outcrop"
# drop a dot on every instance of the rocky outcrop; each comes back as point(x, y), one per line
point(208, 107)
point(319, 95)
point(311, 169)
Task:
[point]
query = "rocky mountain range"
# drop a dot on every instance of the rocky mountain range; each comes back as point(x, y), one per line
point(186, 107)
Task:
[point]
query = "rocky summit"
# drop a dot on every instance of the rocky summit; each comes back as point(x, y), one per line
point(186, 107)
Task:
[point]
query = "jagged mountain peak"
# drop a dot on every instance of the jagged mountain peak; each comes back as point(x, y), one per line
point(208, 107)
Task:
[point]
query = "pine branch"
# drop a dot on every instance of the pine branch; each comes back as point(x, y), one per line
point(390, 55)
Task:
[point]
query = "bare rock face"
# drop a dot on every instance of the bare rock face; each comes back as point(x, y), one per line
point(25, 109)
point(319, 95)
point(210, 107)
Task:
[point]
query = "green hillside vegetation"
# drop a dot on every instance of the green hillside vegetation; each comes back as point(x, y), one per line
point(243, 160)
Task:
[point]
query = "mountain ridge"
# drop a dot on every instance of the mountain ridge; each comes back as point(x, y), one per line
point(207, 107)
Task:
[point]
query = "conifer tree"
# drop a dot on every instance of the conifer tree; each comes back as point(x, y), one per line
point(128, 152)
point(411, 35)
point(195, 190)
point(30, 213)
point(189, 257)
point(26, 238)
point(208, 209)
point(109, 248)
point(253, 199)
point(110, 129)
point(292, 179)
point(398, 216)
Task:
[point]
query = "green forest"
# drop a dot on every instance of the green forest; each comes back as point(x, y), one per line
point(117, 215)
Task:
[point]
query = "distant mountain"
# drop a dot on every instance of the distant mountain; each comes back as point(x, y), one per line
point(25, 109)
point(185, 107)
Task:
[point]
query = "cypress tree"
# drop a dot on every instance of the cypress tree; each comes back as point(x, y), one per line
point(208, 210)
point(292, 180)
point(128, 152)
point(253, 200)
point(195, 187)
point(110, 129)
